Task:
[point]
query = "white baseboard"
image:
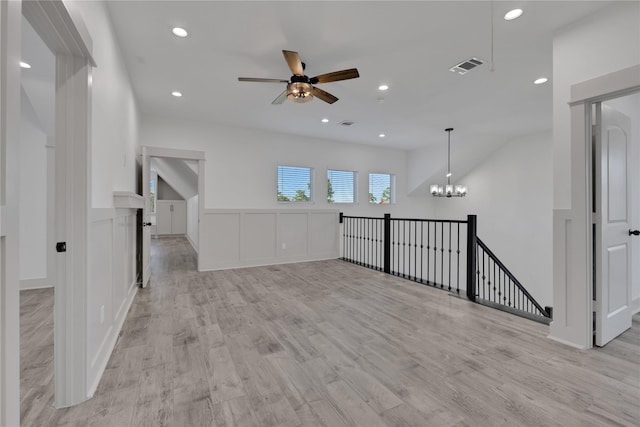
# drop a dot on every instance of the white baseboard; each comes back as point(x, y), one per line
point(39, 283)
point(635, 306)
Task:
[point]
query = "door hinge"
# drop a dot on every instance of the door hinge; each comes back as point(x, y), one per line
point(61, 247)
point(595, 218)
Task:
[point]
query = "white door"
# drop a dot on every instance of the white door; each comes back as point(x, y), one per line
point(146, 218)
point(613, 241)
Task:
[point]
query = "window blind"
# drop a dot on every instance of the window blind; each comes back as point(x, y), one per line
point(294, 184)
point(341, 186)
point(381, 189)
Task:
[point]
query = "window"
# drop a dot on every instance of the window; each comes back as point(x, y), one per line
point(342, 186)
point(294, 184)
point(382, 188)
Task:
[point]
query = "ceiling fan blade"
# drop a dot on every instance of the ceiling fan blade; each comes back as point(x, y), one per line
point(259, 80)
point(294, 62)
point(325, 96)
point(280, 99)
point(351, 73)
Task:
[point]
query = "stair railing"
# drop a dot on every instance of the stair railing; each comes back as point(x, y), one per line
point(446, 254)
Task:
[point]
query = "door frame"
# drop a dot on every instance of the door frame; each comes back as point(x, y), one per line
point(66, 36)
point(10, 23)
point(147, 152)
point(573, 314)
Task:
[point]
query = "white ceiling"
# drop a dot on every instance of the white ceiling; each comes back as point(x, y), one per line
point(408, 45)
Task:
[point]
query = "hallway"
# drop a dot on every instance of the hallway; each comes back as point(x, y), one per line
point(326, 343)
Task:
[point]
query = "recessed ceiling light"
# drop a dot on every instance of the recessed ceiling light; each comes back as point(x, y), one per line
point(325, 120)
point(176, 94)
point(540, 81)
point(24, 65)
point(383, 87)
point(513, 14)
point(382, 135)
point(180, 32)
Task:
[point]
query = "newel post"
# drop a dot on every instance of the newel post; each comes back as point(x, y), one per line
point(472, 243)
point(387, 243)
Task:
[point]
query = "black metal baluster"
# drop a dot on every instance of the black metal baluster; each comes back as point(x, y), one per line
point(428, 248)
point(360, 241)
point(449, 278)
point(415, 251)
point(441, 255)
point(404, 235)
point(483, 275)
point(458, 262)
point(435, 253)
point(421, 247)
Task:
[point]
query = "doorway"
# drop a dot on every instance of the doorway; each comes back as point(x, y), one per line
point(615, 183)
point(184, 171)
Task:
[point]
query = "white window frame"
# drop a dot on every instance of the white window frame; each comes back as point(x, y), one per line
point(311, 184)
point(355, 187)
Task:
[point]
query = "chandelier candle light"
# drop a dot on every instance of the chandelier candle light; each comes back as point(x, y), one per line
point(448, 190)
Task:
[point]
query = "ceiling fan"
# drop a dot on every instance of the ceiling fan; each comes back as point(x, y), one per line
point(300, 87)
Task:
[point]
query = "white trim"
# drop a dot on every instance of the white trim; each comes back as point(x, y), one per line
point(36, 283)
point(10, 22)
point(610, 85)
point(63, 32)
point(127, 199)
point(173, 153)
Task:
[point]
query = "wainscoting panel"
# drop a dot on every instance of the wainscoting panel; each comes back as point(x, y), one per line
point(112, 284)
point(258, 234)
point(293, 234)
point(324, 244)
point(244, 238)
point(221, 240)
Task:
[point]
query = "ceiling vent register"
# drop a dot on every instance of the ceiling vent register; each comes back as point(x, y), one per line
point(467, 65)
point(346, 123)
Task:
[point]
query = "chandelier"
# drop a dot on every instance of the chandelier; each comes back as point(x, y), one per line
point(448, 190)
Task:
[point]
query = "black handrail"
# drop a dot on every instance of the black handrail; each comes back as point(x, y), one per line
point(541, 311)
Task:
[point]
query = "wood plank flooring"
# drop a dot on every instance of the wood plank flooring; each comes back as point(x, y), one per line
point(327, 344)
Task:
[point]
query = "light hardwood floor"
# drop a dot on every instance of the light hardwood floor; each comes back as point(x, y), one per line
point(327, 344)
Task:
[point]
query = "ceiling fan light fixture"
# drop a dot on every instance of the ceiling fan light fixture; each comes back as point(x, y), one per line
point(299, 92)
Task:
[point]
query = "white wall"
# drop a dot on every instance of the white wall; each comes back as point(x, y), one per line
point(192, 221)
point(240, 167)
point(33, 200)
point(115, 115)
point(602, 43)
point(511, 193)
point(114, 140)
point(166, 192)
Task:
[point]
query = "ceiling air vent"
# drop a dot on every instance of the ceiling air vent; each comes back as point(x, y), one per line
point(346, 123)
point(465, 66)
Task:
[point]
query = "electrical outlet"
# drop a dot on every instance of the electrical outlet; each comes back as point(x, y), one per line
point(284, 246)
point(102, 314)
